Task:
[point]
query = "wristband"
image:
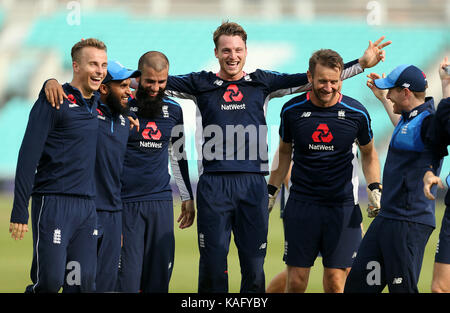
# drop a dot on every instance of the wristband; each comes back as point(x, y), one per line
point(271, 189)
point(373, 186)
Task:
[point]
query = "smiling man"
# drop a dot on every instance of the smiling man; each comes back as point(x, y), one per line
point(232, 190)
point(321, 131)
point(397, 237)
point(56, 167)
point(148, 250)
point(113, 132)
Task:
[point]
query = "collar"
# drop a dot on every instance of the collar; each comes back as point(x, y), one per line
point(76, 93)
point(428, 105)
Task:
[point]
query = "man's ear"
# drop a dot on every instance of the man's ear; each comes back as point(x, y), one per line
point(103, 89)
point(75, 66)
point(309, 75)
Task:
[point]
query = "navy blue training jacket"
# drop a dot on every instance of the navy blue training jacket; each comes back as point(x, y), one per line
point(57, 155)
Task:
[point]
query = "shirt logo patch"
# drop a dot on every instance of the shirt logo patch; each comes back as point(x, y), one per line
point(151, 131)
point(322, 134)
point(413, 114)
point(306, 114)
point(99, 115)
point(233, 94)
point(72, 100)
point(165, 110)
point(218, 82)
point(341, 114)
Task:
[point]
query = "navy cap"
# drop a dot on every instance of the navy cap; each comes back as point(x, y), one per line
point(116, 72)
point(406, 76)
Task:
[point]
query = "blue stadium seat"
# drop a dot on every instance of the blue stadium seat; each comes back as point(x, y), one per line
point(188, 44)
point(13, 121)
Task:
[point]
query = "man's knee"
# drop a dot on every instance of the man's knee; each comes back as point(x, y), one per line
point(297, 279)
point(334, 280)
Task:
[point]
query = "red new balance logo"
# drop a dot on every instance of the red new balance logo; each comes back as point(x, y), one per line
point(322, 134)
point(232, 94)
point(151, 131)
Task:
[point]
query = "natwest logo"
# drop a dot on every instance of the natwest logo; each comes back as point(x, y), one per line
point(232, 94)
point(151, 131)
point(322, 134)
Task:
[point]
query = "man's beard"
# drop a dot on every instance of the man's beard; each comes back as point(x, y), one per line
point(115, 105)
point(149, 107)
point(321, 96)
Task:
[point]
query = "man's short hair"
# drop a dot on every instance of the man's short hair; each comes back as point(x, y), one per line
point(153, 59)
point(325, 57)
point(83, 43)
point(229, 29)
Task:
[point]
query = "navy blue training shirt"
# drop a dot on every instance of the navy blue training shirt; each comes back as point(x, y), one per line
point(403, 197)
point(146, 173)
point(438, 138)
point(325, 148)
point(113, 132)
point(231, 115)
point(57, 155)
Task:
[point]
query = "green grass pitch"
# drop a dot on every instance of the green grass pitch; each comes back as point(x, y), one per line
point(15, 256)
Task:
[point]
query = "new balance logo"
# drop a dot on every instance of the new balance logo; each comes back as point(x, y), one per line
point(397, 281)
point(263, 246)
point(57, 236)
point(218, 82)
point(306, 114)
point(413, 113)
point(73, 105)
point(341, 114)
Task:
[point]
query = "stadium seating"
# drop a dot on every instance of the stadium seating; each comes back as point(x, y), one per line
point(188, 44)
point(13, 121)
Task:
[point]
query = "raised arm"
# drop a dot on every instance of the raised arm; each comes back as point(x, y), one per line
point(374, 53)
point(444, 74)
point(381, 95)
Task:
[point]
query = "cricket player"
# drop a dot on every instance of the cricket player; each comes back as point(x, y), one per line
point(147, 256)
point(56, 168)
point(392, 250)
point(113, 133)
point(322, 213)
point(438, 136)
point(231, 132)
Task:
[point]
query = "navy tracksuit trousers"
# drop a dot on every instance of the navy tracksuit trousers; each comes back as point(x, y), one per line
point(232, 202)
point(64, 243)
point(148, 250)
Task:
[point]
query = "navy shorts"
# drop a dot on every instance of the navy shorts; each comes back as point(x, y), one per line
point(148, 250)
point(443, 247)
point(310, 228)
point(64, 243)
point(391, 254)
point(232, 202)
